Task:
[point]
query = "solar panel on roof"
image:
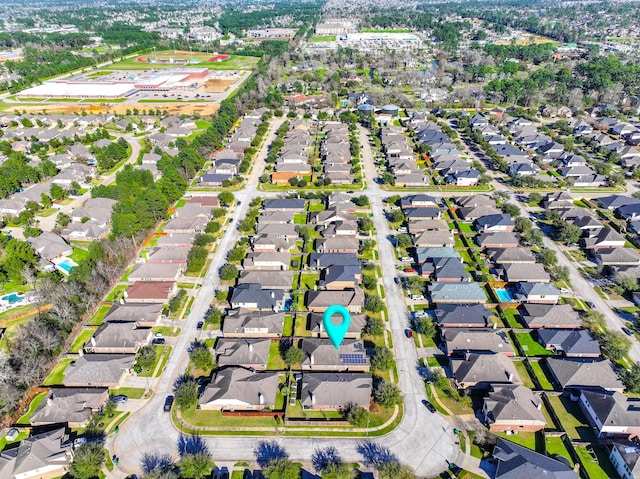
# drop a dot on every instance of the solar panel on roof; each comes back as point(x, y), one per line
point(353, 359)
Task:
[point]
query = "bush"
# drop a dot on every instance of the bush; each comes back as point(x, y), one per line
point(356, 415)
point(228, 272)
point(373, 303)
point(196, 258)
point(226, 198)
point(387, 394)
point(381, 359)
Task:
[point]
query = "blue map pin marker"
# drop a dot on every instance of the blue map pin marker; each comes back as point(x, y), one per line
point(336, 332)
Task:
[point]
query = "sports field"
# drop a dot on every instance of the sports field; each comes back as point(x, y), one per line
point(161, 60)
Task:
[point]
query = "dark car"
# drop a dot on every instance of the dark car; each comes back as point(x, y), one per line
point(158, 341)
point(199, 324)
point(429, 406)
point(168, 403)
point(120, 398)
point(409, 333)
point(627, 331)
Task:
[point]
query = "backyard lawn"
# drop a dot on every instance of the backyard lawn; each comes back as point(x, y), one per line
point(555, 446)
point(572, 418)
point(80, 340)
point(24, 419)
point(531, 440)
point(275, 361)
point(98, 317)
point(524, 374)
point(539, 370)
point(57, 373)
point(602, 469)
point(530, 347)
point(200, 417)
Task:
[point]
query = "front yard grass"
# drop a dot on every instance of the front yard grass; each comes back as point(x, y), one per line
point(166, 330)
point(204, 418)
point(160, 351)
point(131, 393)
point(530, 347)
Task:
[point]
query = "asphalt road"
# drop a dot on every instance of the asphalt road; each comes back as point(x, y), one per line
point(149, 429)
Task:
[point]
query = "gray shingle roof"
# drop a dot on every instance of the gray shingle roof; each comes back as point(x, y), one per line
point(517, 462)
point(335, 389)
point(237, 387)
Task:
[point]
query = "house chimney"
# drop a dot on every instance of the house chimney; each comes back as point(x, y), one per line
point(250, 347)
point(273, 294)
point(467, 356)
point(261, 398)
point(495, 325)
point(93, 341)
point(510, 377)
point(313, 398)
point(311, 360)
point(539, 406)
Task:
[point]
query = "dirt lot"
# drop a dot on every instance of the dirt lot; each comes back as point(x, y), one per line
point(217, 86)
point(204, 108)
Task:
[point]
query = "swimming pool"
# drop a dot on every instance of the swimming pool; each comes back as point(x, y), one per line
point(66, 265)
point(13, 298)
point(504, 296)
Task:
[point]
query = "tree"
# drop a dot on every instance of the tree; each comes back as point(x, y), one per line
point(293, 355)
point(196, 466)
point(228, 272)
point(387, 394)
point(356, 415)
point(631, 378)
point(568, 233)
point(361, 201)
point(365, 224)
point(425, 326)
point(214, 316)
point(373, 303)
point(535, 198)
point(87, 460)
point(511, 209)
point(186, 394)
point(395, 470)
point(381, 359)
point(201, 357)
point(236, 254)
point(281, 468)
point(614, 344)
point(374, 326)
point(403, 240)
point(548, 258)
point(58, 192)
point(561, 273)
point(63, 219)
point(146, 357)
point(196, 258)
point(226, 198)
point(594, 321)
point(338, 470)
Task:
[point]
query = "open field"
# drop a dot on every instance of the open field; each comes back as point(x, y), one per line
point(233, 63)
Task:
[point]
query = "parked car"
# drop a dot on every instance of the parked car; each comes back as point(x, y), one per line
point(158, 341)
point(591, 305)
point(409, 270)
point(79, 441)
point(409, 333)
point(199, 324)
point(158, 335)
point(429, 406)
point(416, 297)
point(627, 331)
point(168, 402)
point(121, 398)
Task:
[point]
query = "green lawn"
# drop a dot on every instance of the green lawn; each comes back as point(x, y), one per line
point(13, 287)
point(603, 469)
point(541, 372)
point(15, 312)
point(56, 376)
point(323, 38)
point(166, 330)
point(287, 329)
point(131, 393)
point(275, 361)
point(526, 439)
point(98, 317)
point(530, 346)
point(509, 317)
point(466, 228)
point(79, 254)
point(298, 412)
point(199, 417)
point(24, 419)
point(522, 371)
point(555, 446)
point(80, 340)
point(308, 280)
point(235, 62)
point(160, 350)
point(572, 418)
point(300, 218)
point(116, 293)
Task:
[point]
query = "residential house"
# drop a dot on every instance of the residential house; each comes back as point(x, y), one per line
point(248, 353)
point(518, 462)
point(510, 407)
point(335, 390)
point(295, 205)
point(43, 456)
point(460, 341)
point(106, 370)
point(271, 243)
point(569, 343)
point(495, 223)
point(339, 278)
point(552, 316)
point(456, 293)
point(561, 199)
point(516, 272)
point(176, 240)
point(611, 413)
point(498, 240)
point(142, 314)
point(322, 355)
point(71, 406)
point(446, 270)
point(325, 260)
point(155, 272)
point(316, 326)
point(253, 296)
point(240, 389)
point(186, 225)
point(427, 239)
point(267, 261)
point(577, 374)
point(118, 338)
point(176, 255)
point(542, 293)
point(252, 324)
point(480, 371)
point(463, 316)
point(50, 246)
point(614, 202)
point(606, 238)
point(268, 279)
point(625, 457)
point(337, 245)
point(504, 256)
point(150, 292)
point(319, 301)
